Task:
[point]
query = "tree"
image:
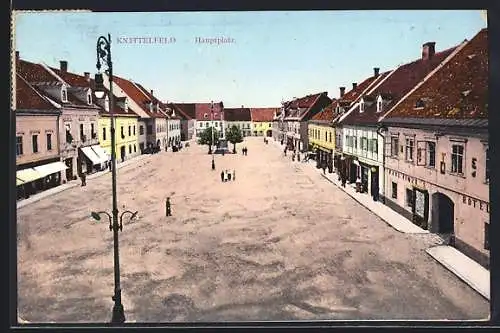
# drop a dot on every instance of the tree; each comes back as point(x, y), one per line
point(234, 136)
point(206, 138)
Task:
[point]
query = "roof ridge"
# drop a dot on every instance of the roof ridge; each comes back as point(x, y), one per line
point(36, 92)
point(48, 69)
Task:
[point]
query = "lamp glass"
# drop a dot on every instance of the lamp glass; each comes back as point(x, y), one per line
point(99, 94)
point(95, 216)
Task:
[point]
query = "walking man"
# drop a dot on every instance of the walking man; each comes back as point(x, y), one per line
point(83, 177)
point(168, 207)
point(228, 175)
point(222, 176)
point(234, 175)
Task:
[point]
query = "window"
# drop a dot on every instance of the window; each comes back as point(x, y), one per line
point(122, 132)
point(355, 142)
point(64, 95)
point(409, 197)
point(379, 106)
point(375, 146)
point(141, 130)
point(201, 125)
point(457, 159)
point(487, 167)
point(394, 193)
point(410, 143)
point(129, 130)
point(134, 129)
point(82, 133)
point(149, 129)
point(364, 143)
point(487, 236)
point(135, 148)
point(431, 154)
point(89, 99)
point(49, 141)
point(19, 145)
point(330, 137)
point(69, 137)
point(206, 125)
point(361, 106)
point(104, 133)
point(34, 140)
point(394, 146)
point(130, 149)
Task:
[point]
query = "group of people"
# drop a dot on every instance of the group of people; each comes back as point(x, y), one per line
point(225, 176)
point(244, 151)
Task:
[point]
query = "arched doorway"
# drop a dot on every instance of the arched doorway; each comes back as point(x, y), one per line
point(443, 217)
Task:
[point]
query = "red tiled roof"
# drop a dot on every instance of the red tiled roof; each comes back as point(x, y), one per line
point(118, 110)
point(187, 110)
point(302, 106)
point(327, 114)
point(441, 94)
point(35, 73)
point(27, 98)
point(203, 109)
point(396, 85)
point(263, 114)
point(137, 95)
point(237, 114)
point(71, 78)
point(354, 94)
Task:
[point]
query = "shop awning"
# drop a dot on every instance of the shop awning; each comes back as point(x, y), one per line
point(50, 168)
point(326, 150)
point(93, 157)
point(28, 175)
point(101, 153)
point(19, 182)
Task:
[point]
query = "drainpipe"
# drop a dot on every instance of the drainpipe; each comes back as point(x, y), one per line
point(382, 128)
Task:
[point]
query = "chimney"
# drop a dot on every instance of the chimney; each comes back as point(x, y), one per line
point(354, 85)
point(428, 50)
point(64, 66)
point(242, 107)
point(376, 71)
point(87, 76)
point(151, 92)
point(342, 91)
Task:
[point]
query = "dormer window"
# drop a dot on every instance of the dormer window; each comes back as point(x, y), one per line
point(205, 116)
point(379, 104)
point(64, 94)
point(419, 104)
point(150, 107)
point(89, 98)
point(106, 104)
point(361, 106)
point(125, 105)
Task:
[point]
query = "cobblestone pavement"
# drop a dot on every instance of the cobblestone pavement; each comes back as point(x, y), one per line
point(278, 243)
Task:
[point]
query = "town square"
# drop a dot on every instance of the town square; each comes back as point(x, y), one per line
point(278, 243)
point(211, 183)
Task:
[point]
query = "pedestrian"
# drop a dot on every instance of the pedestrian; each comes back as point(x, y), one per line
point(110, 165)
point(83, 178)
point(222, 176)
point(234, 175)
point(228, 175)
point(285, 151)
point(168, 207)
point(246, 151)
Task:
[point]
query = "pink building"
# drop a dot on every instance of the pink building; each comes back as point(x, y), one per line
point(436, 151)
point(37, 141)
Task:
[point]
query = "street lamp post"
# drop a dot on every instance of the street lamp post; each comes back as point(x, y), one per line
point(213, 134)
point(104, 57)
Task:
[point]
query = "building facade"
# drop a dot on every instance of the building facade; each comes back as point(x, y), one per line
point(363, 140)
point(206, 115)
point(297, 113)
point(437, 151)
point(322, 137)
point(239, 117)
point(262, 121)
point(79, 118)
point(187, 114)
point(37, 141)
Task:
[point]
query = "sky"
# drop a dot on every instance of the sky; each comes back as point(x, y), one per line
point(273, 56)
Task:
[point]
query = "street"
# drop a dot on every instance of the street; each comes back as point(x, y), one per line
point(278, 243)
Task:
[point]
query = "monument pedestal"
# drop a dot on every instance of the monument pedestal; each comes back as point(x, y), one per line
point(222, 147)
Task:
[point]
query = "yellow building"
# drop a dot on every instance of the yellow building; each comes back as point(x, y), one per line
point(262, 121)
point(126, 132)
point(321, 135)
